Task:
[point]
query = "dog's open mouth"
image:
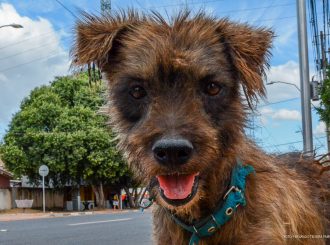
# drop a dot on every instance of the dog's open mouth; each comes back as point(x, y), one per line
point(178, 189)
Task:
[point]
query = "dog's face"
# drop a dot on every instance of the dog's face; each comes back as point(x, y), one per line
point(174, 93)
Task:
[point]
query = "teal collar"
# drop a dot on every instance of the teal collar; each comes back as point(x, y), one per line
point(233, 198)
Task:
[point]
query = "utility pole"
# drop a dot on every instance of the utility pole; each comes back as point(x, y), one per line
point(304, 78)
point(105, 7)
point(323, 61)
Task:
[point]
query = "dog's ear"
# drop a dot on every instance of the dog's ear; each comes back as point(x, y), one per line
point(249, 50)
point(97, 37)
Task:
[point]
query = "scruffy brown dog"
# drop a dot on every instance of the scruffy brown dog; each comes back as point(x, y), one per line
point(176, 103)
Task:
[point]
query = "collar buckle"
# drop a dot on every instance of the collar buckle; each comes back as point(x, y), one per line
point(195, 229)
point(232, 188)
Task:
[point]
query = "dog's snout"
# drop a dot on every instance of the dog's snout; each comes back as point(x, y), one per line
point(172, 151)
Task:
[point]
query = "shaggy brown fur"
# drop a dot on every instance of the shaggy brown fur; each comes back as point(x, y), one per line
point(174, 64)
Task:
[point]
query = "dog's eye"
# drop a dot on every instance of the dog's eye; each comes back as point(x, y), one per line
point(137, 92)
point(212, 89)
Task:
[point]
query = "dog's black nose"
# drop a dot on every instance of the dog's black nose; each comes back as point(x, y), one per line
point(172, 151)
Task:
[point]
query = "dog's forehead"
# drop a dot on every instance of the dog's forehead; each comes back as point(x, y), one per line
point(194, 49)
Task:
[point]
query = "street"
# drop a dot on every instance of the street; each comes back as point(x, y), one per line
point(117, 228)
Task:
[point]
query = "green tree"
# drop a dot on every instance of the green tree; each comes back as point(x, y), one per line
point(59, 125)
point(324, 109)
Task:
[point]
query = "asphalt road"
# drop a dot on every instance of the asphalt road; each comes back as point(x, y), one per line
point(97, 229)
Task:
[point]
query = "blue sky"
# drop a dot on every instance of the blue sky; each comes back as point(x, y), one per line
point(35, 54)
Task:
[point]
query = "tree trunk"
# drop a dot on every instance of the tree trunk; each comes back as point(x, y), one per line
point(102, 200)
point(130, 197)
point(139, 195)
point(134, 202)
point(99, 195)
point(144, 192)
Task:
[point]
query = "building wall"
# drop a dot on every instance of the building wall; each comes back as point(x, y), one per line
point(5, 199)
point(4, 182)
point(86, 193)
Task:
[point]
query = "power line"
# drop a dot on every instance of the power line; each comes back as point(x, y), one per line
point(49, 33)
point(31, 61)
point(26, 39)
point(28, 50)
point(314, 35)
point(52, 56)
point(229, 11)
point(251, 9)
point(320, 39)
point(290, 143)
point(271, 137)
point(67, 9)
point(328, 20)
point(182, 4)
point(157, 7)
point(278, 102)
point(320, 143)
point(281, 18)
point(269, 6)
point(42, 34)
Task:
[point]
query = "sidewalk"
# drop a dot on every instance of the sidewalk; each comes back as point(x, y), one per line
point(18, 214)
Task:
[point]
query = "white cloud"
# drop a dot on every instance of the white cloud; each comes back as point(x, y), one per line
point(267, 113)
point(266, 110)
point(320, 129)
point(264, 113)
point(288, 72)
point(29, 57)
point(284, 114)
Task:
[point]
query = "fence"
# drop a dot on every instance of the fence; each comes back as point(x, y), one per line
point(54, 198)
point(5, 199)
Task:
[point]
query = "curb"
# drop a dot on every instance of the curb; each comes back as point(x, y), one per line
point(29, 216)
point(70, 214)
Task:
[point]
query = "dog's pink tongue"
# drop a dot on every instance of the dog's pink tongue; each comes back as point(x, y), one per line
point(176, 186)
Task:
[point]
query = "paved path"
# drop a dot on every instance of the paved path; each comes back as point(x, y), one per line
point(122, 228)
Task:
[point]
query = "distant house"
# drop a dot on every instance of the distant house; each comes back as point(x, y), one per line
point(5, 190)
point(5, 176)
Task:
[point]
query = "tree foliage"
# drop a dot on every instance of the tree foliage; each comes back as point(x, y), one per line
point(59, 125)
point(324, 109)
